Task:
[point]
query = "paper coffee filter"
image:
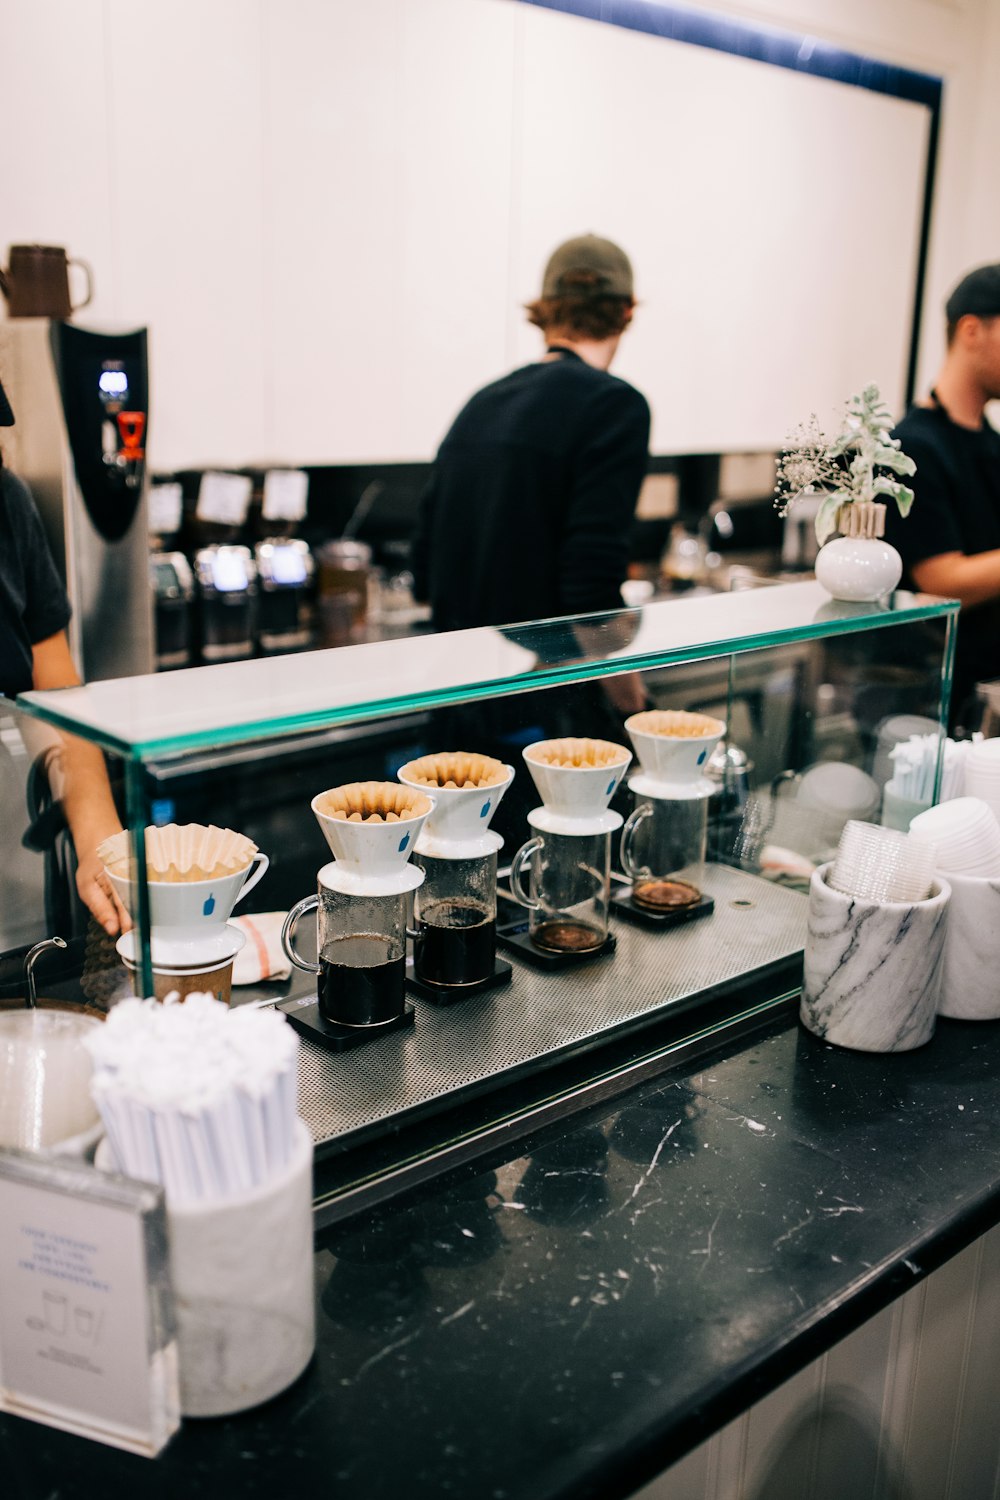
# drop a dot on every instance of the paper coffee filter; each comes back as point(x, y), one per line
point(577, 753)
point(182, 852)
point(454, 769)
point(373, 802)
point(676, 723)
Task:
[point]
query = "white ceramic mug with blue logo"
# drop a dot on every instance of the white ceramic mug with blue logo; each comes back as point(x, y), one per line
point(577, 778)
point(673, 745)
point(186, 910)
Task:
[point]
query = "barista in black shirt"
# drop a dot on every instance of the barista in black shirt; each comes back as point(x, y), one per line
point(33, 603)
point(34, 653)
point(950, 542)
point(534, 488)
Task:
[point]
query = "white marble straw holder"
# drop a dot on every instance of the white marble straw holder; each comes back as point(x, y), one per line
point(242, 1275)
point(873, 969)
point(970, 989)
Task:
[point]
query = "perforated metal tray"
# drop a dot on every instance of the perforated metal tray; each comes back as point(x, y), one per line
point(542, 1017)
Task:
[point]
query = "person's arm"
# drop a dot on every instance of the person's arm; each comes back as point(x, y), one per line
point(972, 579)
point(86, 794)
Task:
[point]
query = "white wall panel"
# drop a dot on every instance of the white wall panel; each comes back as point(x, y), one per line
point(772, 218)
point(455, 137)
point(56, 185)
point(317, 206)
point(334, 173)
point(185, 162)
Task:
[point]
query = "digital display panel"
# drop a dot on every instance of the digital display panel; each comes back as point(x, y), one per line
point(113, 383)
point(229, 572)
point(288, 565)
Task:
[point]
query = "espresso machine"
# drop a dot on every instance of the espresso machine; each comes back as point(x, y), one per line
point(81, 399)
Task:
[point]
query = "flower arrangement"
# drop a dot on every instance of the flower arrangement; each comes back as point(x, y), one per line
point(844, 469)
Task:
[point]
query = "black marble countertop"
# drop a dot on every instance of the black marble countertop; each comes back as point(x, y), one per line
point(570, 1319)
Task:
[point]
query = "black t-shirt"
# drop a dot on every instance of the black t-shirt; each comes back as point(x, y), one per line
point(33, 603)
point(956, 509)
point(528, 510)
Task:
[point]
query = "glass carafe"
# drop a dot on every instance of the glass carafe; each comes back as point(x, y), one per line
point(361, 946)
point(663, 851)
point(454, 920)
point(568, 882)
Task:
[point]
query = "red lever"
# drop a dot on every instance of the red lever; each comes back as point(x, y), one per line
point(131, 426)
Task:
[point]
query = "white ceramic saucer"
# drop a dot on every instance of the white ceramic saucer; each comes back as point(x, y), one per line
point(191, 953)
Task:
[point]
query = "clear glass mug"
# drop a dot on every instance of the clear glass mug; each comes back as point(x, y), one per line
point(569, 883)
point(361, 944)
point(663, 851)
point(455, 920)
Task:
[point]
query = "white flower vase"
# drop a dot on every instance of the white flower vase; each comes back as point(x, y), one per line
point(859, 564)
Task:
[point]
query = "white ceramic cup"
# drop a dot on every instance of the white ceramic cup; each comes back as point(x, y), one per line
point(576, 792)
point(184, 910)
point(373, 849)
point(676, 759)
point(461, 815)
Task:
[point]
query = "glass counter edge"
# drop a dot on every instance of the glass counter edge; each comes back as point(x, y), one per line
point(144, 751)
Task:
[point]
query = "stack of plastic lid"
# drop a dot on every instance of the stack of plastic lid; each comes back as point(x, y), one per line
point(982, 774)
point(881, 864)
point(966, 834)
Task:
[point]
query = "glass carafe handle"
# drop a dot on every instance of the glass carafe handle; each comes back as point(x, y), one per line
point(524, 855)
point(635, 817)
point(308, 903)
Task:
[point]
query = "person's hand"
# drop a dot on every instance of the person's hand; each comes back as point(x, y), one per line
point(98, 895)
point(626, 694)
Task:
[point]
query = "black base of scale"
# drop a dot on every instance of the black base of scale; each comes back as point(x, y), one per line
point(453, 994)
point(310, 1022)
point(515, 937)
point(672, 916)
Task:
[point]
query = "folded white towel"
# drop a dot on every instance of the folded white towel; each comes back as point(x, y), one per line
point(262, 957)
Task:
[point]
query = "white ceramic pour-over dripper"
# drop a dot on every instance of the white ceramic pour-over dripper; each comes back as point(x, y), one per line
point(576, 797)
point(675, 761)
point(459, 824)
point(371, 857)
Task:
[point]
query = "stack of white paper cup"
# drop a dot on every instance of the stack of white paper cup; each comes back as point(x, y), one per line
point(881, 864)
point(982, 774)
point(966, 834)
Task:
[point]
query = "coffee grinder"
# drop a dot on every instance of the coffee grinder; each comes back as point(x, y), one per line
point(361, 910)
point(173, 595)
point(567, 865)
point(454, 911)
point(227, 590)
point(284, 575)
point(664, 838)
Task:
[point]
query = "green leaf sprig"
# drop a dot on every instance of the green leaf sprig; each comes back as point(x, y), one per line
point(847, 468)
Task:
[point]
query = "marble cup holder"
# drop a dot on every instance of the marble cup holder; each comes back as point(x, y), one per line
point(873, 969)
point(970, 990)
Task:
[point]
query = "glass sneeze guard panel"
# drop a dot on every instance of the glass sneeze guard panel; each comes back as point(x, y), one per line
point(144, 717)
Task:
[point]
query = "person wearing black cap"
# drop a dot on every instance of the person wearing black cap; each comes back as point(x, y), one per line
point(950, 542)
point(534, 488)
point(34, 653)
